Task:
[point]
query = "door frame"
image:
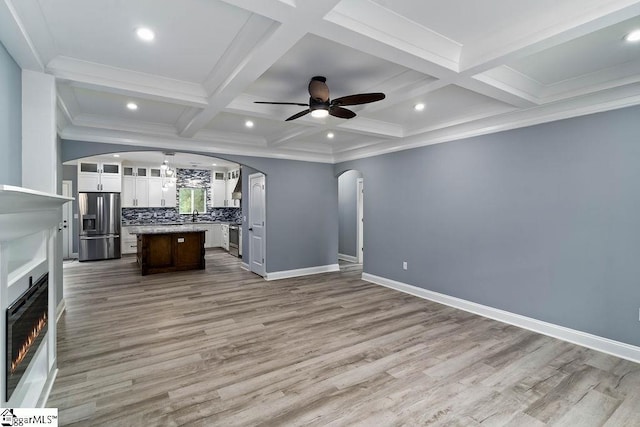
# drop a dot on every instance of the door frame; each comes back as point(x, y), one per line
point(264, 227)
point(360, 219)
point(67, 190)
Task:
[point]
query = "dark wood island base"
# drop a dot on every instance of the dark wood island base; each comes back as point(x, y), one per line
point(171, 251)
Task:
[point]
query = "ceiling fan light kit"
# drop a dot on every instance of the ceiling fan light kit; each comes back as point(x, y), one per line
point(321, 106)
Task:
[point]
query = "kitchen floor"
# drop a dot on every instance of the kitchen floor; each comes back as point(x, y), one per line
point(224, 347)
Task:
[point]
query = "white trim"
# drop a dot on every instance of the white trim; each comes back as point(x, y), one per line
point(48, 386)
point(277, 275)
point(62, 306)
point(605, 345)
point(348, 258)
point(244, 266)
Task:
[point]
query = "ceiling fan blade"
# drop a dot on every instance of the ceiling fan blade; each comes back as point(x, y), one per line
point(298, 115)
point(342, 113)
point(361, 98)
point(281, 103)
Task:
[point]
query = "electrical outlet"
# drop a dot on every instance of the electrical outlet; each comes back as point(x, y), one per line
point(404, 265)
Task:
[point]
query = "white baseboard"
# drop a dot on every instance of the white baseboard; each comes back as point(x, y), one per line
point(348, 258)
point(244, 266)
point(276, 275)
point(605, 345)
point(62, 306)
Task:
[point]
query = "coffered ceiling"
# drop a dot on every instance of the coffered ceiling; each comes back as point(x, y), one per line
point(478, 67)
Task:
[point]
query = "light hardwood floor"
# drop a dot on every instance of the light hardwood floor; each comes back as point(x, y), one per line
point(223, 347)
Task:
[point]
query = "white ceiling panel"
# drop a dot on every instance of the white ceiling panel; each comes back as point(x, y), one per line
point(347, 70)
point(104, 32)
point(227, 122)
point(593, 52)
point(114, 106)
point(451, 103)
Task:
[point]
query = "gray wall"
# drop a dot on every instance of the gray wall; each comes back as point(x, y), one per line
point(348, 212)
point(10, 120)
point(302, 201)
point(541, 221)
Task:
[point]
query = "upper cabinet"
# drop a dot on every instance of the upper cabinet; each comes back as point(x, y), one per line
point(144, 187)
point(223, 184)
point(218, 188)
point(99, 176)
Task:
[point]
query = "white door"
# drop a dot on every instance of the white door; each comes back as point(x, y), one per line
point(257, 251)
point(360, 248)
point(67, 223)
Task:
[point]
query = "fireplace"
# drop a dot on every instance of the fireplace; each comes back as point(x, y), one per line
point(26, 327)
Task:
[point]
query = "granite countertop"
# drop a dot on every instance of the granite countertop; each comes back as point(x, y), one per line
point(166, 229)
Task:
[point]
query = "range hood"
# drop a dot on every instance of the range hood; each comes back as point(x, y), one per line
point(237, 191)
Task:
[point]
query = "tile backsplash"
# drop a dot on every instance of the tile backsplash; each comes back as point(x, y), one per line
point(136, 216)
point(192, 178)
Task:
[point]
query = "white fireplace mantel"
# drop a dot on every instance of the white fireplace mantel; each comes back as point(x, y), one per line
point(29, 222)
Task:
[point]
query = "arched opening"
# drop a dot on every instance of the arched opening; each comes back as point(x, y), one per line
point(161, 188)
point(351, 218)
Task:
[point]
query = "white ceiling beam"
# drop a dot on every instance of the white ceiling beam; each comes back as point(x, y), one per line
point(379, 23)
point(256, 28)
point(276, 10)
point(263, 55)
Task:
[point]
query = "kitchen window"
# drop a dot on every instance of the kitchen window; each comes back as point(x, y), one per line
point(192, 199)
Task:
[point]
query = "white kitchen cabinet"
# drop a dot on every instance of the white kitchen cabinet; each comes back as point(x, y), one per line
point(156, 198)
point(99, 176)
point(129, 242)
point(135, 191)
point(218, 188)
point(213, 237)
point(160, 197)
point(225, 236)
point(142, 188)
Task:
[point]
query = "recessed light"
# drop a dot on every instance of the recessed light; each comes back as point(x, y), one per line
point(319, 113)
point(330, 135)
point(248, 124)
point(419, 107)
point(132, 106)
point(633, 36)
point(214, 164)
point(145, 34)
point(116, 155)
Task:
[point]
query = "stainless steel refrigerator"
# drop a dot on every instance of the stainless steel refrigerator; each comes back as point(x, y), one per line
point(99, 226)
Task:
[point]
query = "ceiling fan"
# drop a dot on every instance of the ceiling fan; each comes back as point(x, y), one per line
point(320, 105)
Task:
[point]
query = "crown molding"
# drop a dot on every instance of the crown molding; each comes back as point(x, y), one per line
point(620, 97)
point(15, 39)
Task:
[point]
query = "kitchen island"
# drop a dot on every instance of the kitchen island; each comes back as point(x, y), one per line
point(163, 249)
